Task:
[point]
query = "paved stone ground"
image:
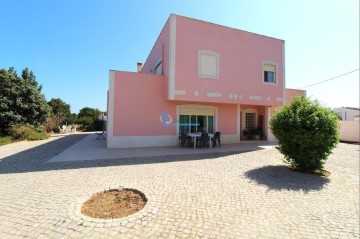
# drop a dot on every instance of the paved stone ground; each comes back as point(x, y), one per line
point(219, 195)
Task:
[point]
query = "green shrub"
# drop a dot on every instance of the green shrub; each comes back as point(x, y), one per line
point(21, 132)
point(6, 140)
point(306, 133)
point(26, 132)
point(38, 136)
point(56, 130)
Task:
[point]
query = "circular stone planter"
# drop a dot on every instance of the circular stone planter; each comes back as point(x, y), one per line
point(144, 216)
point(114, 203)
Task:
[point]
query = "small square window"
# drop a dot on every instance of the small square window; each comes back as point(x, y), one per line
point(269, 77)
point(269, 73)
point(208, 64)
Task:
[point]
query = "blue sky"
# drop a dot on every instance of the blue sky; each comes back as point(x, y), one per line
point(71, 45)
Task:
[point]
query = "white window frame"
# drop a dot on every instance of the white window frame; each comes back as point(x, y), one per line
point(276, 73)
point(194, 109)
point(209, 53)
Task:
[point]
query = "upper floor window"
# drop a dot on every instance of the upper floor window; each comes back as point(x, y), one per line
point(269, 73)
point(158, 69)
point(208, 64)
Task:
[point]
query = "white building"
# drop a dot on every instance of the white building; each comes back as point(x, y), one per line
point(347, 113)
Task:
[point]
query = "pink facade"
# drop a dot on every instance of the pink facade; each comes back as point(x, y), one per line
point(160, 51)
point(224, 79)
point(240, 63)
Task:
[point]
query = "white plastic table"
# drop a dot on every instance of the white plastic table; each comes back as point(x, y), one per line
point(195, 135)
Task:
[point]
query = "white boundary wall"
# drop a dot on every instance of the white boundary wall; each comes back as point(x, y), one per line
point(350, 131)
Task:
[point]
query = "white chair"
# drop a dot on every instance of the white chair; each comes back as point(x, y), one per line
point(64, 129)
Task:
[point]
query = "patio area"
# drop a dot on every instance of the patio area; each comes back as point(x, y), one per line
point(236, 191)
point(91, 149)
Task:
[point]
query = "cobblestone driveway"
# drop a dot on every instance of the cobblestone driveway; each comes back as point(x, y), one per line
point(222, 195)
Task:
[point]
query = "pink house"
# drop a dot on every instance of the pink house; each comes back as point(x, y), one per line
point(198, 76)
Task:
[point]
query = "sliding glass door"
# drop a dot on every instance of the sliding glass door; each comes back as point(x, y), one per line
point(196, 123)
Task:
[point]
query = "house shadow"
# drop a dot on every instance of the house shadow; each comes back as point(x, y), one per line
point(282, 178)
point(36, 159)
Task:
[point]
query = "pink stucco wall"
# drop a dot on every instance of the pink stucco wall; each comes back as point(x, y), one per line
point(160, 50)
point(291, 93)
point(241, 56)
point(139, 99)
point(226, 118)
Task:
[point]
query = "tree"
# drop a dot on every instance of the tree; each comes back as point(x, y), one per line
point(30, 78)
point(60, 111)
point(306, 133)
point(88, 119)
point(21, 100)
point(72, 118)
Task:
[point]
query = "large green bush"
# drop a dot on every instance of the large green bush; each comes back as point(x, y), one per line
point(88, 119)
point(306, 133)
point(26, 132)
point(21, 132)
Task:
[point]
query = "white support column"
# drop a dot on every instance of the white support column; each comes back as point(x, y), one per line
point(110, 113)
point(269, 134)
point(172, 57)
point(238, 130)
point(284, 89)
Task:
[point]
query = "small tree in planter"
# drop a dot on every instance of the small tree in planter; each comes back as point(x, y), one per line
point(306, 133)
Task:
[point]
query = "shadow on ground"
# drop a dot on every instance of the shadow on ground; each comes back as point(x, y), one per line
point(36, 159)
point(282, 178)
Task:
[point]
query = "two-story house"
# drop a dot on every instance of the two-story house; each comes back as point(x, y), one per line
point(198, 76)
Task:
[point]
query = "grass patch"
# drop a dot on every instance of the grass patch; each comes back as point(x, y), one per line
point(6, 140)
point(31, 137)
point(37, 136)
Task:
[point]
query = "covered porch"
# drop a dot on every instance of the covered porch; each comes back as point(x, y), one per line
point(236, 122)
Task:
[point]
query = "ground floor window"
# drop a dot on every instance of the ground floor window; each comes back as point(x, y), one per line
point(250, 120)
point(196, 123)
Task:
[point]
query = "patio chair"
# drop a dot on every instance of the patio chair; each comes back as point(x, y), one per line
point(184, 139)
point(73, 129)
point(204, 140)
point(68, 129)
point(217, 139)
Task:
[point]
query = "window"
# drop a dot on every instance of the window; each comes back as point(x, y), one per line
point(269, 73)
point(269, 76)
point(250, 120)
point(196, 123)
point(158, 69)
point(208, 64)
